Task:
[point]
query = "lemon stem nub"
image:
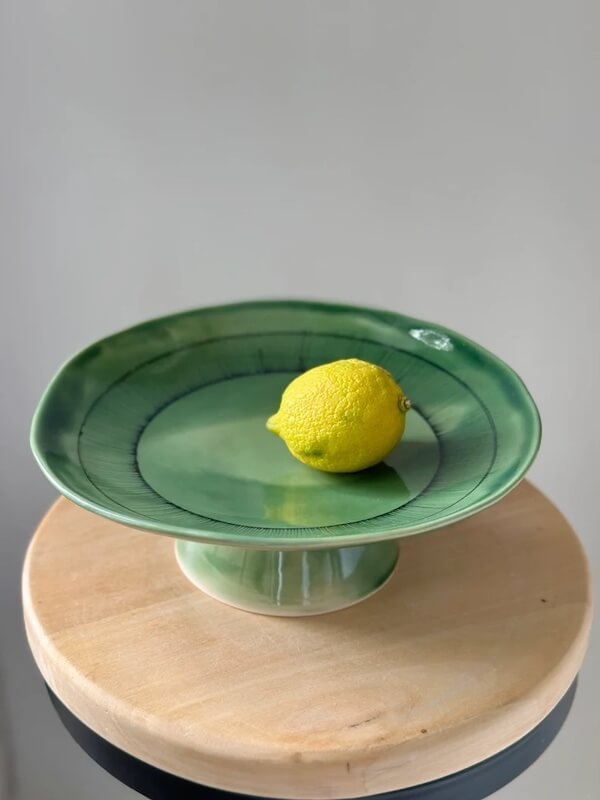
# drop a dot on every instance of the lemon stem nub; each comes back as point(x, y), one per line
point(404, 404)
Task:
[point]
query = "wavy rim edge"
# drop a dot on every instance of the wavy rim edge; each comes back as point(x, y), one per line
point(281, 542)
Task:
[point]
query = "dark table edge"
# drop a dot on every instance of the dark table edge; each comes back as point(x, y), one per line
point(473, 783)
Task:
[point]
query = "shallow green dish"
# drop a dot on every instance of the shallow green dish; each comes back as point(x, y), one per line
point(162, 427)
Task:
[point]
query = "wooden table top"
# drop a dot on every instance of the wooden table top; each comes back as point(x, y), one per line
point(474, 640)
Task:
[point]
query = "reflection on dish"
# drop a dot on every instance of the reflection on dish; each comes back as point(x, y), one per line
point(293, 502)
point(431, 338)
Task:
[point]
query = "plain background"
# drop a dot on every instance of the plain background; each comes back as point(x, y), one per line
point(436, 158)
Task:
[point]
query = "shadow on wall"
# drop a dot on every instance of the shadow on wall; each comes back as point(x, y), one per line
point(7, 777)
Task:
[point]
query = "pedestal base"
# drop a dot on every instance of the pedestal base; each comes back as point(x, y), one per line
point(288, 583)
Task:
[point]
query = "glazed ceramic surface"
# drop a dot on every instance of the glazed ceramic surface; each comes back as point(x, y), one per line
point(288, 582)
point(162, 427)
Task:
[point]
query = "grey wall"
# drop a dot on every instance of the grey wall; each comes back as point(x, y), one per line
point(438, 158)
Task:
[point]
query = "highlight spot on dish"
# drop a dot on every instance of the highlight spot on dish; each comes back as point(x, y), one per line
point(431, 338)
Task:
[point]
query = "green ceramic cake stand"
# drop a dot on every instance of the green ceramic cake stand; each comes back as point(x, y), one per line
point(162, 427)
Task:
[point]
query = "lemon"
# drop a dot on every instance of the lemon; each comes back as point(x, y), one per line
point(341, 417)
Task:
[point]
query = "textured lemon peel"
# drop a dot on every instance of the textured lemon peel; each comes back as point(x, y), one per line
point(343, 416)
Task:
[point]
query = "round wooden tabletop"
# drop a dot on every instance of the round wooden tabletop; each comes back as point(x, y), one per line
point(472, 643)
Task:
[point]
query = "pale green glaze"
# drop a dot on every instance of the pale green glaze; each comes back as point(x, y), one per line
point(162, 427)
point(288, 582)
point(210, 453)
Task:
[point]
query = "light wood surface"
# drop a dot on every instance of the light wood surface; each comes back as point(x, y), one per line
point(474, 640)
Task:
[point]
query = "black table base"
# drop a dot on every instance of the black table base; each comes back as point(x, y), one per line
point(473, 783)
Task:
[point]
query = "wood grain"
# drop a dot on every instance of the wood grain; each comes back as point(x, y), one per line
point(474, 640)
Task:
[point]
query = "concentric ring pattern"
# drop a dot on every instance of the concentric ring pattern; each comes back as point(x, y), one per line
point(135, 427)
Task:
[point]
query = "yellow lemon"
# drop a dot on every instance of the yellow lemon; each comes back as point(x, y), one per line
point(341, 417)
